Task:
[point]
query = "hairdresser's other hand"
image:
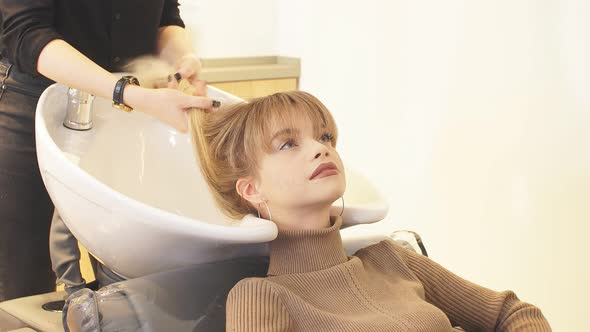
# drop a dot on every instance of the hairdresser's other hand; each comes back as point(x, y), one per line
point(188, 67)
point(167, 105)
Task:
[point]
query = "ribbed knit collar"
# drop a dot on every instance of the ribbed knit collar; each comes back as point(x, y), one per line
point(307, 250)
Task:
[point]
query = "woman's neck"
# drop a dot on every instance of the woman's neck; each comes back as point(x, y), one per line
point(302, 218)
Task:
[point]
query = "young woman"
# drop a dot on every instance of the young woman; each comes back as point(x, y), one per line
point(276, 157)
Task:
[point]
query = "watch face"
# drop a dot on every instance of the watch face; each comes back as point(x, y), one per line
point(131, 79)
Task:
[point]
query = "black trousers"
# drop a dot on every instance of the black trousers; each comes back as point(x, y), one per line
point(25, 207)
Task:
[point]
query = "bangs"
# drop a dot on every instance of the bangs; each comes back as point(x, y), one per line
point(284, 111)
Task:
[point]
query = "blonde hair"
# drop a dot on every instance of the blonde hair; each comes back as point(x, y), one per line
point(229, 142)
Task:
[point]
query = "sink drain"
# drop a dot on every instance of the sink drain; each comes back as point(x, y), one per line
point(55, 306)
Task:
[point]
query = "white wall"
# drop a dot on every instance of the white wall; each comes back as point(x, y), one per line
point(471, 116)
point(228, 28)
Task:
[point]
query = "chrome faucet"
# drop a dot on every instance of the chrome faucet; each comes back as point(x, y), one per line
point(79, 110)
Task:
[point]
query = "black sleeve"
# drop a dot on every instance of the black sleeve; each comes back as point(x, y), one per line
point(27, 26)
point(171, 14)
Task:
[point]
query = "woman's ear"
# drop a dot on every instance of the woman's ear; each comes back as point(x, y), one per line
point(248, 189)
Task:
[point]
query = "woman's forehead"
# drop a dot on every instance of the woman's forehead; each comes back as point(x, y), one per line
point(298, 126)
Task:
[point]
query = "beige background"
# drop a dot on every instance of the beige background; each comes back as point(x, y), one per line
point(471, 116)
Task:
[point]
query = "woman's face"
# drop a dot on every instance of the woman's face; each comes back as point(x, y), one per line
point(285, 176)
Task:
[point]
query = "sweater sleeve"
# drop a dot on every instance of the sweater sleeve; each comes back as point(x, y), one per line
point(27, 27)
point(171, 14)
point(253, 305)
point(473, 307)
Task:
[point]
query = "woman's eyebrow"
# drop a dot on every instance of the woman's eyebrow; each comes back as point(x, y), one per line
point(284, 132)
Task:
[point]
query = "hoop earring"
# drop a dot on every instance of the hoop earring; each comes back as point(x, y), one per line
point(342, 211)
point(267, 209)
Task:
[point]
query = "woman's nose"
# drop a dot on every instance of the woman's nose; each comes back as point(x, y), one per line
point(317, 148)
point(323, 151)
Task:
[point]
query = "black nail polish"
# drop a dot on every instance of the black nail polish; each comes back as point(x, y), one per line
point(216, 103)
point(177, 77)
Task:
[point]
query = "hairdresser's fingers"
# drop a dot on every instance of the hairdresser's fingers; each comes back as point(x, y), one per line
point(196, 87)
point(200, 88)
point(187, 71)
point(198, 102)
point(172, 82)
point(172, 85)
point(189, 66)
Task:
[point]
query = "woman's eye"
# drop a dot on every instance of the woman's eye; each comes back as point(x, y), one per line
point(287, 145)
point(290, 143)
point(327, 137)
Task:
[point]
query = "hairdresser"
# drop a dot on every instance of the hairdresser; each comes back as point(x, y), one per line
point(79, 44)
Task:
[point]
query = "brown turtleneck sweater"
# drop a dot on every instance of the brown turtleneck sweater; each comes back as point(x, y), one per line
point(313, 286)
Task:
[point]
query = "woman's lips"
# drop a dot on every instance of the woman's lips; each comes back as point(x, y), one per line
point(324, 167)
point(325, 173)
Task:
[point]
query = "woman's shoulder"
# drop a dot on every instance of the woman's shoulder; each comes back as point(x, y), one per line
point(253, 288)
point(251, 282)
point(254, 285)
point(389, 257)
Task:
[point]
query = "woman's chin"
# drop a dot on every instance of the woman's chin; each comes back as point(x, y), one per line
point(331, 197)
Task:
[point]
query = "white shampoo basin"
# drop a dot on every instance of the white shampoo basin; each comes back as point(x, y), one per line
point(130, 191)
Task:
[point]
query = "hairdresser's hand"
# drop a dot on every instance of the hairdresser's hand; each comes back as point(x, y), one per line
point(187, 67)
point(199, 88)
point(167, 105)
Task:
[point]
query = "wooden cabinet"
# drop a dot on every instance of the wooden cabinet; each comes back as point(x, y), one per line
point(252, 77)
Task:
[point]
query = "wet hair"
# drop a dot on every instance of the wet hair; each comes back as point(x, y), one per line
point(229, 142)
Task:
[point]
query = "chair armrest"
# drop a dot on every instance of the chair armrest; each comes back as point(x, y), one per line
point(410, 240)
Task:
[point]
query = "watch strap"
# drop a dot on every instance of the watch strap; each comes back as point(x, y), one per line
point(120, 88)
